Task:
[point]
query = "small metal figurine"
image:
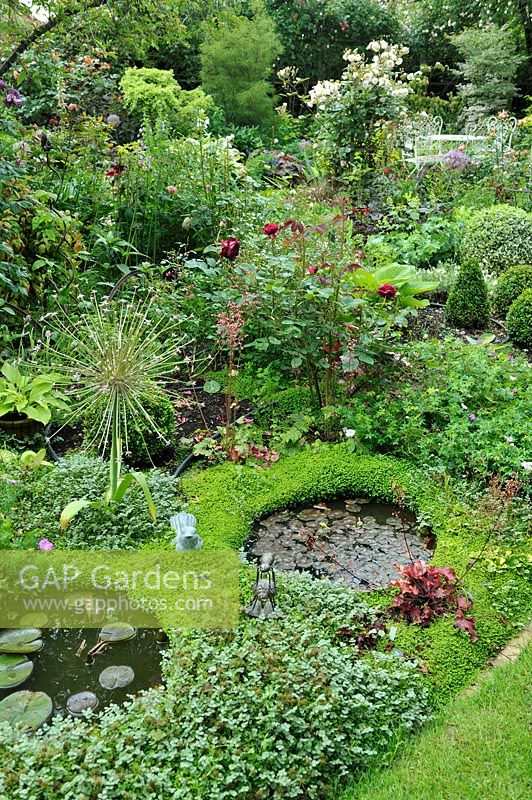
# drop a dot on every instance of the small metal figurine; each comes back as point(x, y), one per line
point(187, 536)
point(264, 590)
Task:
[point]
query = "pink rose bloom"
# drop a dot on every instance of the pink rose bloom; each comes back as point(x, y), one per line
point(271, 230)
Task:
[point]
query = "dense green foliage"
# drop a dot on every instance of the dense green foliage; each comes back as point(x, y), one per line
point(468, 303)
point(36, 505)
point(519, 319)
point(144, 445)
point(319, 711)
point(498, 238)
point(236, 62)
point(510, 285)
point(453, 408)
point(246, 205)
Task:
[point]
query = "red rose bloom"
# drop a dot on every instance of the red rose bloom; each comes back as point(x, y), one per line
point(271, 230)
point(387, 291)
point(230, 248)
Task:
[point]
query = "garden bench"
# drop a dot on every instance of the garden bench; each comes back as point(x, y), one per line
point(424, 143)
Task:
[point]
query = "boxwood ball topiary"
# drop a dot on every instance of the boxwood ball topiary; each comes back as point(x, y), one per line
point(519, 320)
point(498, 238)
point(511, 284)
point(468, 302)
point(144, 443)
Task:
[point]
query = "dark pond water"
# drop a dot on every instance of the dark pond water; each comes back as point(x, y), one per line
point(355, 541)
point(60, 673)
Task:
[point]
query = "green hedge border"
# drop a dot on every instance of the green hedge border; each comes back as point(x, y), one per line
point(228, 499)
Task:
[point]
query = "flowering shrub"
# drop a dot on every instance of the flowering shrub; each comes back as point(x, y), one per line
point(350, 110)
point(427, 592)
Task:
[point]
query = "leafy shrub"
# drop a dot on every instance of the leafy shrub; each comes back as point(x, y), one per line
point(453, 407)
point(511, 284)
point(263, 711)
point(519, 319)
point(427, 592)
point(155, 94)
point(498, 238)
point(316, 32)
point(236, 61)
point(468, 302)
point(490, 64)
point(42, 498)
point(143, 445)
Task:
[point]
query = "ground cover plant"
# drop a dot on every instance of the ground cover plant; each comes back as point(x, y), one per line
point(242, 273)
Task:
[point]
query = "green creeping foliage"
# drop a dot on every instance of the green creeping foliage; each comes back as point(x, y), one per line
point(237, 56)
point(519, 319)
point(144, 445)
point(498, 237)
point(264, 711)
point(510, 285)
point(468, 302)
point(227, 500)
point(155, 94)
point(41, 498)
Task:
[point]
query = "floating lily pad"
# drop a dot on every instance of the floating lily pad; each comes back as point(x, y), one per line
point(116, 677)
point(80, 702)
point(117, 632)
point(14, 670)
point(37, 619)
point(21, 640)
point(27, 709)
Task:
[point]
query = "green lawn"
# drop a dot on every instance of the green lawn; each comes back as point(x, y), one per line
point(479, 748)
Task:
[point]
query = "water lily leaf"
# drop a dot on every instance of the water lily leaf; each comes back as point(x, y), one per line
point(116, 677)
point(21, 640)
point(80, 702)
point(27, 709)
point(14, 670)
point(212, 387)
point(117, 632)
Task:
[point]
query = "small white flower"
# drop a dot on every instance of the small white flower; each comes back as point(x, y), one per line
point(349, 433)
point(527, 466)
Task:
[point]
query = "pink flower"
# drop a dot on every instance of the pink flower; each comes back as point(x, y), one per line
point(312, 269)
point(72, 107)
point(248, 420)
point(271, 229)
point(46, 544)
point(387, 291)
point(171, 189)
point(230, 248)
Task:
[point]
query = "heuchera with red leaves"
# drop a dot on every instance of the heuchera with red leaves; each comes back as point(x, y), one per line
point(428, 592)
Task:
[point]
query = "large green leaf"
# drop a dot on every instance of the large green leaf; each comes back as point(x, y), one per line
point(38, 412)
point(27, 709)
point(10, 372)
point(117, 632)
point(21, 640)
point(70, 511)
point(14, 670)
point(141, 480)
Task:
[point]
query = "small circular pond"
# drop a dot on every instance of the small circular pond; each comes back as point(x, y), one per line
point(60, 669)
point(356, 541)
